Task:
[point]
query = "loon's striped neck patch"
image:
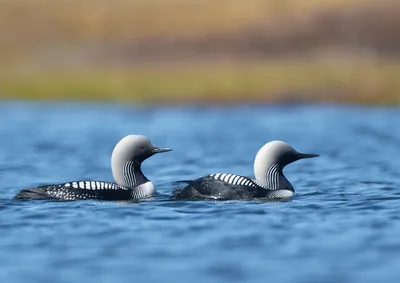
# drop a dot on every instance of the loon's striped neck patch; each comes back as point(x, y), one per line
point(133, 175)
point(273, 176)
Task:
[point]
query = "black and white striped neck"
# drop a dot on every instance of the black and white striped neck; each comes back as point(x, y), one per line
point(276, 180)
point(133, 175)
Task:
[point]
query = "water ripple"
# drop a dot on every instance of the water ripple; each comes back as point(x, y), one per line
point(342, 226)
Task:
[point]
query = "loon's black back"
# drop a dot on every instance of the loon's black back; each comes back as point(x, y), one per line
point(222, 187)
point(79, 190)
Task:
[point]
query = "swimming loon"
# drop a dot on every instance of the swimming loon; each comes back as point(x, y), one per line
point(269, 182)
point(131, 183)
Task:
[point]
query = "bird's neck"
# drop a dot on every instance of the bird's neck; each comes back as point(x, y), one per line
point(274, 179)
point(130, 175)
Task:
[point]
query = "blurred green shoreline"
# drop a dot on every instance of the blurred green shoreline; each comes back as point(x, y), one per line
point(346, 81)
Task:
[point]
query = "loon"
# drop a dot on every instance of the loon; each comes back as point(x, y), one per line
point(269, 183)
point(131, 183)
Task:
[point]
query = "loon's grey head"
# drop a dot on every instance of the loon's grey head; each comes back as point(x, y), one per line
point(127, 156)
point(273, 157)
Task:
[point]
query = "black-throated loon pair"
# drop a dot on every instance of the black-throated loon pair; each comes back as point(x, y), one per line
point(131, 184)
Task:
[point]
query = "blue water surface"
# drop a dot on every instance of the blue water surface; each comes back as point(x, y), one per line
point(342, 226)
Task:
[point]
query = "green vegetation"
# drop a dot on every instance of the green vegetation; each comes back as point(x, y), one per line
point(361, 82)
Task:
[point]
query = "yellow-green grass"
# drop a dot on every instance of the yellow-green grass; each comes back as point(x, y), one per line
point(367, 82)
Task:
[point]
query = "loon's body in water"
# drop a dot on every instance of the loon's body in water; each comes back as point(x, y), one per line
point(269, 183)
point(131, 183)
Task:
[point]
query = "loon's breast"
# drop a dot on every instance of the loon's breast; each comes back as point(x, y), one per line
point(80, 190)
point(223, 187)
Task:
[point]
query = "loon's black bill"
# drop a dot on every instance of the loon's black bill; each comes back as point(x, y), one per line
point(307, 155)
point(161, 149)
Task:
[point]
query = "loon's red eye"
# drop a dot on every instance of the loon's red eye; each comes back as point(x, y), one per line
point(142, 147)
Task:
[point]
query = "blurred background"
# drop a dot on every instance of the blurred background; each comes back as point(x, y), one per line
point(201, 51)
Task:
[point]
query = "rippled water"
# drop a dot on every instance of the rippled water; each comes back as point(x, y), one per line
point(342, 226)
